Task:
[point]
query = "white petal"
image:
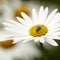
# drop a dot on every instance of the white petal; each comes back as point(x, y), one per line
point(27, 19)
point(52, 27)
point(34, 16)
point(20, 26)
point(56, 29)
point(50, 17)
point(55, 21)
point(42, 40)
point(36, 39)
point(53, 33)
point(51, 41)
point(45, 14)
point(17, 24)
point(16, 28)
point(26, 40)
point(21, 20)
point(17, 31)
point(14, 22)
point(41, 15)
point(17, 39)
point(54, 37)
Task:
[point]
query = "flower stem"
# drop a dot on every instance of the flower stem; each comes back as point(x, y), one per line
point(44, 52)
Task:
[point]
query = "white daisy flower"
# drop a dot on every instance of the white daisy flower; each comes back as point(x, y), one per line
point(5, 41)
point(41, 27)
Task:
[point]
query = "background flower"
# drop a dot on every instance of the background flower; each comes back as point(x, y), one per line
point(20, 51)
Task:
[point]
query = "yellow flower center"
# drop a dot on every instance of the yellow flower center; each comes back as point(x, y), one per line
point(19, 9)
point(38, 30)
point(7, 44)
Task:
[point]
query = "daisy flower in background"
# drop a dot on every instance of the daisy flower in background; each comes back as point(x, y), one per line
point(15, 8)
point(22, 51)
point(21, 8)
point(5, 42)
point(42, 27)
